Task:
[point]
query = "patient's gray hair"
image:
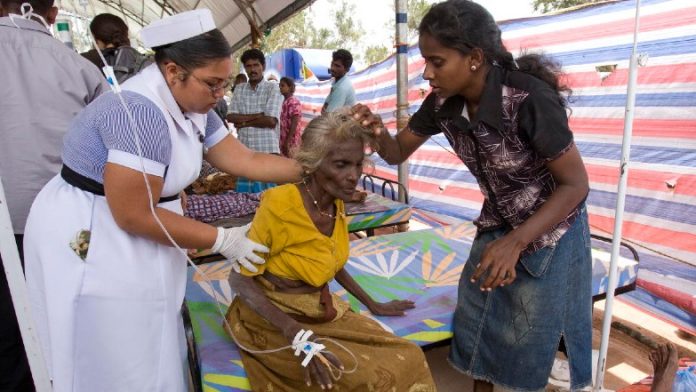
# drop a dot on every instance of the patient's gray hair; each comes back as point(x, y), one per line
point(323, 133)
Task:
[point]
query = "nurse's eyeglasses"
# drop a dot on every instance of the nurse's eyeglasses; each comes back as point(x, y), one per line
point(214, 88)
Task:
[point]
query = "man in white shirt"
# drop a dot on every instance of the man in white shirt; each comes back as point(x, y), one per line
point(255, 108)
point(255, 113)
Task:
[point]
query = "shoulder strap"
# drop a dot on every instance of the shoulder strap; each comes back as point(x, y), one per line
point(118, 67)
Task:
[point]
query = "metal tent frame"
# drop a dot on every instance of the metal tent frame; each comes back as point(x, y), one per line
point(241, 21)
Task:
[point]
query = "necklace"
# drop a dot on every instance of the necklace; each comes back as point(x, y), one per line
point(316, 203)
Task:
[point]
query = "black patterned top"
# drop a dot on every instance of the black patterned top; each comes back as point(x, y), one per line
point(520, 126)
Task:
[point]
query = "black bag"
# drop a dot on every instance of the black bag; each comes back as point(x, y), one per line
point(126, 61)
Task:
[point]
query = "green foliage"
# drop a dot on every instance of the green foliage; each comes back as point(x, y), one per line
point(322, 39)
point(299, 32)
point(296, 32)
point(416, 11)
point(349, 30)
point(376, 53)
point(553, 5)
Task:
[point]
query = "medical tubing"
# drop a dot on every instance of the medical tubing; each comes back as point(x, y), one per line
point(101, 55)
point(136, 129)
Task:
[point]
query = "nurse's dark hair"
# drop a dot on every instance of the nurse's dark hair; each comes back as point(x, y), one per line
point(110, 29)
point(195, 52)
point(40, 7)
point(464, 25)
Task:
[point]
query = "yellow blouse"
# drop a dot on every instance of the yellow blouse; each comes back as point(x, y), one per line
point(298, 250)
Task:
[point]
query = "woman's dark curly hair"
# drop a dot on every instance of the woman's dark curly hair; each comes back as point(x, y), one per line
point(464, 25)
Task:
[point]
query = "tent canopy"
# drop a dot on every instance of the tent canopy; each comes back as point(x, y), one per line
point(232, 17)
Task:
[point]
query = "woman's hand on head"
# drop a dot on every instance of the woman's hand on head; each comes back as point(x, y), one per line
point(362, 114)
point(497, 265)
point(392, 308)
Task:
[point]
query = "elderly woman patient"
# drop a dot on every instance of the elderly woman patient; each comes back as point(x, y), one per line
point(304, 226)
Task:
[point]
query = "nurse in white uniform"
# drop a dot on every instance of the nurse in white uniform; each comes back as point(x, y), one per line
point(106, 285)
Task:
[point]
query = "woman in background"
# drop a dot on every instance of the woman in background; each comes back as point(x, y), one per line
point(111, 36)
point(290, 115)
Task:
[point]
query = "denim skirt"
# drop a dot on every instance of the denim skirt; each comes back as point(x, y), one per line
point(510, 335)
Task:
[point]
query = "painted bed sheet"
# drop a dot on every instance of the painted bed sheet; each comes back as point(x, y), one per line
point(423, 266)
point(376, 211)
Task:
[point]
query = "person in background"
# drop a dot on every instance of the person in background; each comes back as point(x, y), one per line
point(111, 35)
point(109, 32)
point(239, 79)
point(221, 109)
point(38, 71)
point(290, 115)
point(105, 239)
point(291, 293)
point(665, 361)
point(342, 93)
point(528, 281)
point(255, 113)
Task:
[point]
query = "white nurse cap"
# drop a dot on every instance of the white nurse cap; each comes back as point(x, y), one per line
point(177, 27)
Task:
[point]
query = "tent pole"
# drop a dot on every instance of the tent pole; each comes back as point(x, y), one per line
point(20, 298)
point(620, 202)
point(402, 84)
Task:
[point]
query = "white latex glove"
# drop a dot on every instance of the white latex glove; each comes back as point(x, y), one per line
point(238, 249)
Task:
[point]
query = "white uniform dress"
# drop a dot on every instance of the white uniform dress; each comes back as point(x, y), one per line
point(112, 322)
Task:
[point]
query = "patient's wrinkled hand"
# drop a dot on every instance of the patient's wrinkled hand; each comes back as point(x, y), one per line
point(319, 371)
point(392, 308)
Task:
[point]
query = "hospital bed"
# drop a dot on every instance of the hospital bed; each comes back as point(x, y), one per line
point(423, 266)
point(380, 209)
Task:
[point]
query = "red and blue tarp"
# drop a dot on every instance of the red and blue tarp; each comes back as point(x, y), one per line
point(660, 212)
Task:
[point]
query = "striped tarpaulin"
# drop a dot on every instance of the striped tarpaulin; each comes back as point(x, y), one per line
point(661, 199)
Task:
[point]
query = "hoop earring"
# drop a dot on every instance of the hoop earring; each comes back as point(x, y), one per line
point(473, 68)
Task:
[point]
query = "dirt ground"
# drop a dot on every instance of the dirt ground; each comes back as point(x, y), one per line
point(629, 345)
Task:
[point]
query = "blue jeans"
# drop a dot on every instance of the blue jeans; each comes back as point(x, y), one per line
point(509, 336)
